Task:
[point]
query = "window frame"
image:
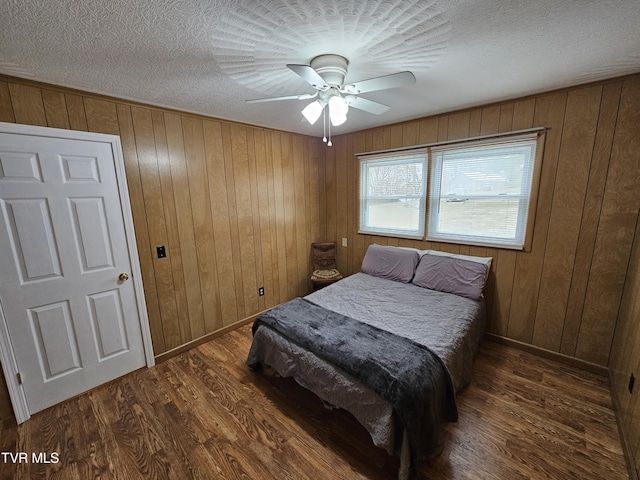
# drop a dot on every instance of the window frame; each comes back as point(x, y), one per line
point(537, 135)
point(437, 157)
point(415, 156)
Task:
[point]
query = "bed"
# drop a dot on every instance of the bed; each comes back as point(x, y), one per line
point(425, 306)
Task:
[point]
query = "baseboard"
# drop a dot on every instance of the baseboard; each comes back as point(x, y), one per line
point(624, 440)
point(205, 338)
point(548, 354)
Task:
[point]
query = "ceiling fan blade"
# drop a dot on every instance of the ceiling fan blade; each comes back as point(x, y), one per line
point(305, 96)
point(366, 105)
point(395, 80)
point(309, 75)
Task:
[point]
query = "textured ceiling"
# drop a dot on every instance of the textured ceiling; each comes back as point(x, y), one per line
point(208, 56)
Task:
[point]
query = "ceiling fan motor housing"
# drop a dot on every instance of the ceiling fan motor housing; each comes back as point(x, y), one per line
point(332, 68)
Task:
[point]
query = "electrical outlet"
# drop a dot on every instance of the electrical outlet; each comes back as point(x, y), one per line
point(161, 251)
point(261, 291)
point(632, 380)
point(344, 241)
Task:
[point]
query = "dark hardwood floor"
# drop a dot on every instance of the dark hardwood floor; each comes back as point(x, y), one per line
point(204, 415)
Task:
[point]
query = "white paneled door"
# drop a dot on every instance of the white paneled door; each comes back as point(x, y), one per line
point(70, 306)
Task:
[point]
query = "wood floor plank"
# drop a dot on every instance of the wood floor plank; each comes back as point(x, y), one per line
point(203, 415)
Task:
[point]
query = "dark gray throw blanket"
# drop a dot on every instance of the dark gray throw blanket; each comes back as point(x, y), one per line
point(408, 375)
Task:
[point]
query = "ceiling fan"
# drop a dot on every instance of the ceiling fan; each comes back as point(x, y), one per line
point(326, 73)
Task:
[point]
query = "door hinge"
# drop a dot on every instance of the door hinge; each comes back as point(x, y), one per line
point(19, 378)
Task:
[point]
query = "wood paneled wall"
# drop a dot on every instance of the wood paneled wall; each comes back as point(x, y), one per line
point(564, 294)
point(625, 359)
point(237, 207)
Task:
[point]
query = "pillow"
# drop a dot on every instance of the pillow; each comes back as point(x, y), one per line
point(471, 258)
point(394, 263)
point(450, 274)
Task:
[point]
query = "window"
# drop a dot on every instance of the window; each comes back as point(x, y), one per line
point(392, 195)
point(478, 194)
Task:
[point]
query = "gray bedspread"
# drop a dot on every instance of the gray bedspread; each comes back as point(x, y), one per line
point(406, 374)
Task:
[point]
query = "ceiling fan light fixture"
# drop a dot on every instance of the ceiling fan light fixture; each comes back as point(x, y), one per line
point(336, 120)
point(312, 111)
point(326, 74)
point(338, 109)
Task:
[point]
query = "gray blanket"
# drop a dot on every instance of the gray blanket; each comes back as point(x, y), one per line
point(449, 325)
point(408, 375)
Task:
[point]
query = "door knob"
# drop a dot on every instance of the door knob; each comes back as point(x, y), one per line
point(124, 276)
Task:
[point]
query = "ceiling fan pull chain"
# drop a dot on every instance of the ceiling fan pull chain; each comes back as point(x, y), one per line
point(324, 125)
